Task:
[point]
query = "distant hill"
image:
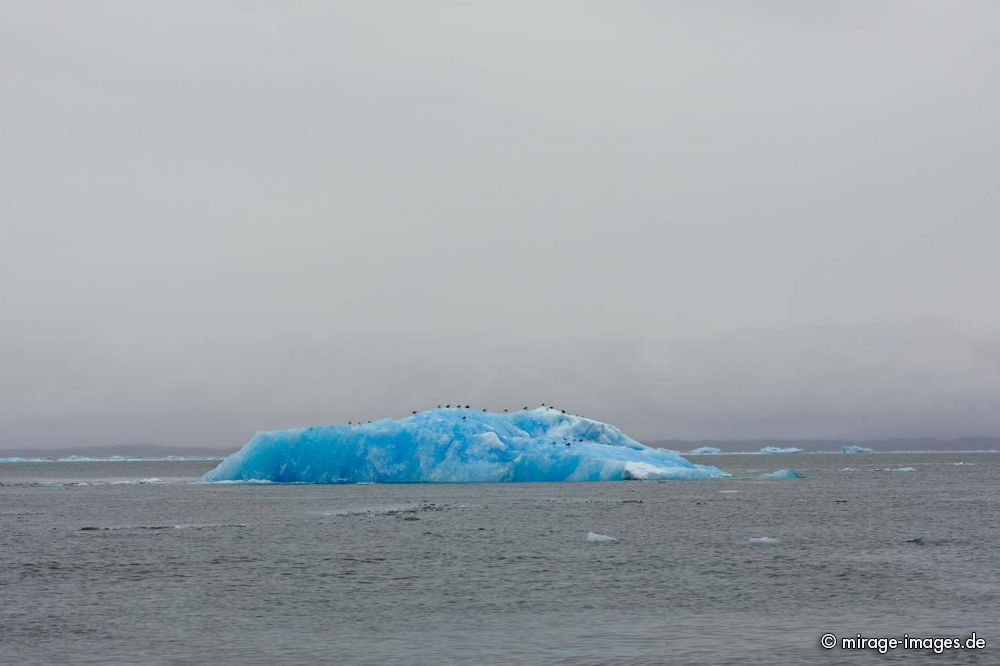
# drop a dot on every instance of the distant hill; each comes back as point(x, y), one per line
point(807, 445)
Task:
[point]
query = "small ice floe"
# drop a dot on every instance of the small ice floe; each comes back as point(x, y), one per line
point(778, 449)
point(704, 451)
point(729, 491)
point(594, 537)
point(853, 448)
point(782, 474)
point(848, 469)
point(763, 541)
point(904, 469)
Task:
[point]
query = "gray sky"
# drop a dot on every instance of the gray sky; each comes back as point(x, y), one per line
point(691, 219)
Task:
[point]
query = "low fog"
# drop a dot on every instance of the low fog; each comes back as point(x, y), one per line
point(692, 220)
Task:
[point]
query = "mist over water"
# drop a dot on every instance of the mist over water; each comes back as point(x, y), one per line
point(691, 221)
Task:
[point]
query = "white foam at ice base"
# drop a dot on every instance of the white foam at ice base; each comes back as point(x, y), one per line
point(594, 537)
point(763, 541)
point(456, 446)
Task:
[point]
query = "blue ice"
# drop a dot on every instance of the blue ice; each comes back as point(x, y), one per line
point(855, 449)
point(704, 451)
point(456, 445)
point(778, 449)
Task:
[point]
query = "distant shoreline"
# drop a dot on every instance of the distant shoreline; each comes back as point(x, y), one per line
point(895, 445)
point(143, 451)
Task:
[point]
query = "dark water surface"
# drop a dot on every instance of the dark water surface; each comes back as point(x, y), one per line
point(179, 572)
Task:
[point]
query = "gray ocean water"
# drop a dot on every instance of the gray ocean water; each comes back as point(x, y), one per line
point(136, 562)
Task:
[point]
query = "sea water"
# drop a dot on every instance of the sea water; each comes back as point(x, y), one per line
point(137, 562)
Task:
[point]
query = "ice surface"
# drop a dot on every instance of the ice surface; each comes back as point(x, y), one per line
point(853, 448)
point(456, 445)
point(783, 474)
point(594, 537)
point(704, 451)
point(763, 541)
point(778, 449)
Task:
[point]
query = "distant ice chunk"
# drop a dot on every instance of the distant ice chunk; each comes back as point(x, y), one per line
point(904, 469)
point(763, 541)
point(594, 537)
point(704, 451)
point(778, 449)
point(783, 474)
point(854, 448)
point(456, 446)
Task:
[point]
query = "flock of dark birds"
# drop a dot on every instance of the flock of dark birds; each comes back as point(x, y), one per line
point(562, 411)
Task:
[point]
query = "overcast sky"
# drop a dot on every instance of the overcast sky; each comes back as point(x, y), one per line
point(702, 219)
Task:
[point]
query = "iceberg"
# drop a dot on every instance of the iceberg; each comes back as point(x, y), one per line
point(704, 451)
point(778, 449)
point(853, 448)
point(763, 541)
point(782, 474)
point(594, 537)
point(456, 446)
